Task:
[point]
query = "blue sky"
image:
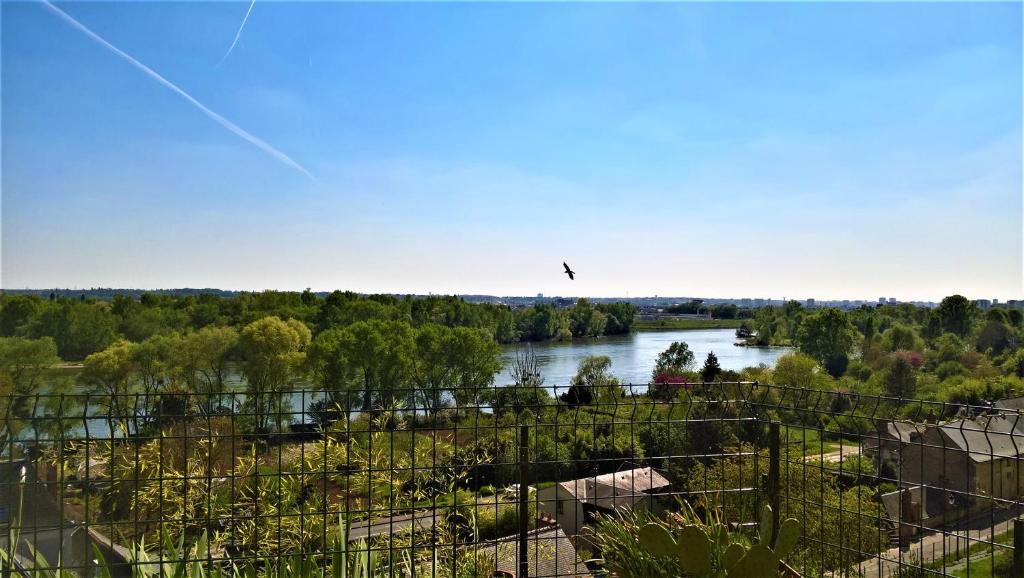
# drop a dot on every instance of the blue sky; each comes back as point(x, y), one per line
point(768, 150)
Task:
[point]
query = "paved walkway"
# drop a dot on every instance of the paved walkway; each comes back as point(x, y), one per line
point(386, 526)
point(933, 547)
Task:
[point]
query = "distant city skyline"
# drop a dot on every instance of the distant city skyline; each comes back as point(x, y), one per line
point(746, 301)
point(807, 150)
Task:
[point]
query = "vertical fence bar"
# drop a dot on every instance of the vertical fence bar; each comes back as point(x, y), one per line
point(1018, 548)
point(524, 500)
point(773, 477)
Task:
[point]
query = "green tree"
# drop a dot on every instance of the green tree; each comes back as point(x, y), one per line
point(435, 361)
point(477, 358)
point(16, 312)
point(995, 336)
point(711, 369)
point(900, 380)
point(201, 357)
point(78, 328)
point(380, 355)
point(586, 321)
point(620, 317)
point(109, 378)
point(956, 314)
point(23, 363)
point(273, 350)
point(827, 335)
point(798, 370)
point(327, 364)
point(593, 382)
point(901, 336)
point(675, 360)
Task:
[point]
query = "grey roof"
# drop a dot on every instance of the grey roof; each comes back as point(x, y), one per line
point(986, 438)
point(617, 489)
point(903, 431)
point(1016, 403)
point(549, 553)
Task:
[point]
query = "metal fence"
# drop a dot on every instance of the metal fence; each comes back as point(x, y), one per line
point(507, 481)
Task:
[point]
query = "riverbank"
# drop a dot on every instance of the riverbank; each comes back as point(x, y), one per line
point(674, 324)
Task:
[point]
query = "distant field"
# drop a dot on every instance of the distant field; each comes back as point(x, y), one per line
point(663, 324)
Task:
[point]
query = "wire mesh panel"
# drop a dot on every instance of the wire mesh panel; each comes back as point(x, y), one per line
point(509, 481)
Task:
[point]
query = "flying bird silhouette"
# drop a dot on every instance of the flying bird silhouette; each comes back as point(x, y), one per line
point(568, 271)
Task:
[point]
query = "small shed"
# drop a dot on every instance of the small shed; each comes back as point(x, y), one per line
point(575, 503)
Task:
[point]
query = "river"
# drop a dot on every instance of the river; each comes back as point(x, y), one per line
point(633, 356)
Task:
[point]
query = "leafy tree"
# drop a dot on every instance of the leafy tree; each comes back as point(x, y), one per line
point(78, 328)
point(201, 358)
point(23, 362)
point(593, 382)
point(901, 336)
point(586, 321)
point(900, 380)
point(956, 315)
point(827, 335)
point(16, 312)
point(995, 336)
point(476, 359)
point(273, 351)
point(798, 370)
point(152, 364)
point(434, 361)
point(145, 322)
point(711, 369)
point(676, 360)
point(1015, 317)
point(108, 376)
point(620, 317)
point(327, 364)
point(380, 356)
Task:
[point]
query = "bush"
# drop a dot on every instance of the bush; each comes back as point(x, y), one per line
point(858, 370)
point(948, 369)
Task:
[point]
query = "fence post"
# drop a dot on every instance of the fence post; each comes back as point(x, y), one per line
point(1018, 548)
point(773, 477)
point(524, 500)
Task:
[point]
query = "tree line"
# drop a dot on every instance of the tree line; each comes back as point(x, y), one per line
point(956, 352)
point(80, 327)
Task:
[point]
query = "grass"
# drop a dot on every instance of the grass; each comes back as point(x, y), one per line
point(1000, 560)
point(808, 441)
point(998, 565)
point(670, 324)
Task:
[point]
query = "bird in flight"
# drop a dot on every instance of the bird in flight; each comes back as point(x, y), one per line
point(568, 271)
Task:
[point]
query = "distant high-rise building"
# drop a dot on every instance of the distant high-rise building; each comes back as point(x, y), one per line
point(881, 300)
point(540, 296)
point(892, 301)
point(809, 304)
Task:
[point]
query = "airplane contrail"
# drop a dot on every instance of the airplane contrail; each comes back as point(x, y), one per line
point(237, 130)
point(238, 34)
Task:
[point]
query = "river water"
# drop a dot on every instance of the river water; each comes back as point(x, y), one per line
point(633, 356)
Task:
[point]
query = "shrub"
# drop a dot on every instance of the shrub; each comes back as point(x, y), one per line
point(948, 369)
